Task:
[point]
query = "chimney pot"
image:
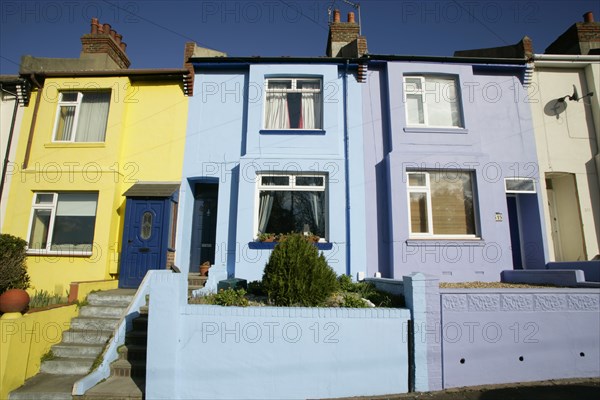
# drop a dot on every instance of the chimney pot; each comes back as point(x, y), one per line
point(123, 46)
point(118, 38)
point(351, 17)
point(94, 26)
point(336, 15)
point(106, 29)
point(588, 17)
point(113, 34)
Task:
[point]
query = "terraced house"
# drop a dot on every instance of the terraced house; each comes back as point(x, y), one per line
point(97, 166)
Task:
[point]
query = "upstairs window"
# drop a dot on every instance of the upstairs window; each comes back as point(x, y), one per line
point(62, 222)
point(293, 103)
point(441, 203)
point(291, 203)
point(432, 101)
point(81, 116)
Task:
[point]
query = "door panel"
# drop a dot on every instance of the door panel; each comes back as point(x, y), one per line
point(204, 226)
point(143, 240)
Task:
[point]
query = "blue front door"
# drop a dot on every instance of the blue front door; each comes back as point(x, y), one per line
point(144, 239)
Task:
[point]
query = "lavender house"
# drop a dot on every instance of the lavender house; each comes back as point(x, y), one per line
point(450, 168)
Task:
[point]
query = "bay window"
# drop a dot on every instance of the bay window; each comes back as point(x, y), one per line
point(62, 222)
point(293, 103)
point(81, 116)
point(441, 203)
point(432, 101)
point(292, 203)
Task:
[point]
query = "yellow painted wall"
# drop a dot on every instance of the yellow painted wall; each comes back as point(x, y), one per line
point(25, 340)
point(144, 141)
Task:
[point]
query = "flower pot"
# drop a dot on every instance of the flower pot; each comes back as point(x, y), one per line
point(204, 267)
point(14, 300)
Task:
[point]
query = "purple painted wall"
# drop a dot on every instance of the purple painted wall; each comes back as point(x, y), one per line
point(496, 142)
point(492, 336)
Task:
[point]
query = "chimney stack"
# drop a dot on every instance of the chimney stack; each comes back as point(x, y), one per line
point(103, 40)
point(581, 38)
point(344, 38)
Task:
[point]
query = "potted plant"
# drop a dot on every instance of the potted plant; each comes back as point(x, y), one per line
point(204, 267)
point(13, 274)
point(267, 237)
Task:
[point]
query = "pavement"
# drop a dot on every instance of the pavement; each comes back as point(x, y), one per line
point(560, 389)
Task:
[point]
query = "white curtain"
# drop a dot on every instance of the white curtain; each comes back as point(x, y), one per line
point(65, 124)
point(277, 108)
point(316, 209)
point(93, 116)
point(264, 211)
point(311, 107)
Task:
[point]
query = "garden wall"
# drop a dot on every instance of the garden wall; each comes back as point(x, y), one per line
point(23, 341)
point(492, 336)
point(212, 352)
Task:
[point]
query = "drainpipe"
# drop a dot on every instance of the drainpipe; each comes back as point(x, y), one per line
point(347, 169)
point(8, 144)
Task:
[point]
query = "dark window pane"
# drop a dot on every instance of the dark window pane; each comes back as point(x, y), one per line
point(292, 210)
point(275, 180)
point(309, 181)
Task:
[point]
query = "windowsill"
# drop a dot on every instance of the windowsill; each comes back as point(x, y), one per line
point(292, 131)
point(444, 241)
point(433, 129)
point(45, 253)
point(271, 245)
point(77, 145)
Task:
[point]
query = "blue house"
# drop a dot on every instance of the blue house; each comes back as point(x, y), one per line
point(451, 172)
point(274, 145)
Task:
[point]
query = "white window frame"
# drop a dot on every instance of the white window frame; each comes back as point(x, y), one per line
point(294, 89)
point(423, 93)
point(77, 105)
point(291, 186)
point(427, 190)
point(62, 103)
point(519, 191)
point(52, 207)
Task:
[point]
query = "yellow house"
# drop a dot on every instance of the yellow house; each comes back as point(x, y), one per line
point(97, 166)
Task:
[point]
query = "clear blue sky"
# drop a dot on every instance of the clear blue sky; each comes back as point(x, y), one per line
point(156, 30)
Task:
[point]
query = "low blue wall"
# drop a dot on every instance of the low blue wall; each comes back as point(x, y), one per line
point(212, 352)
point(591, 269)
point(492, 336)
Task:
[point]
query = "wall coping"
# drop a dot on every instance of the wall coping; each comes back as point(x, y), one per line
point(295, 312)
point(520, 291)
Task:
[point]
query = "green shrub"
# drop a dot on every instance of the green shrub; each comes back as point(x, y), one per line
point(228, 297)
point(13, 273)
point(352, 300)
point(256, 288)
point(43, 298)
point(297, 275)
point(368, 291)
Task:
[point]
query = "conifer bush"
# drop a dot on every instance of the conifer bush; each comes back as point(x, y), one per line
point(13, 274)
point(297, 275)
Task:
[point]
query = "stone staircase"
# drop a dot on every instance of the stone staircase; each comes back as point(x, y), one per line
point(127, 379)
point(195, 281)
point(81, 345)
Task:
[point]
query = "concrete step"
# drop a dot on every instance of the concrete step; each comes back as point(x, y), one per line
point(93, 336)
point(94, 323)
point(140, 323)
point(136, 338)
point(116, 387)
point(46, 387)
point(124, 368)
point(75, 350)
point(132, 352)
point(67, 366)
point(102, 311)
point(116, 297)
